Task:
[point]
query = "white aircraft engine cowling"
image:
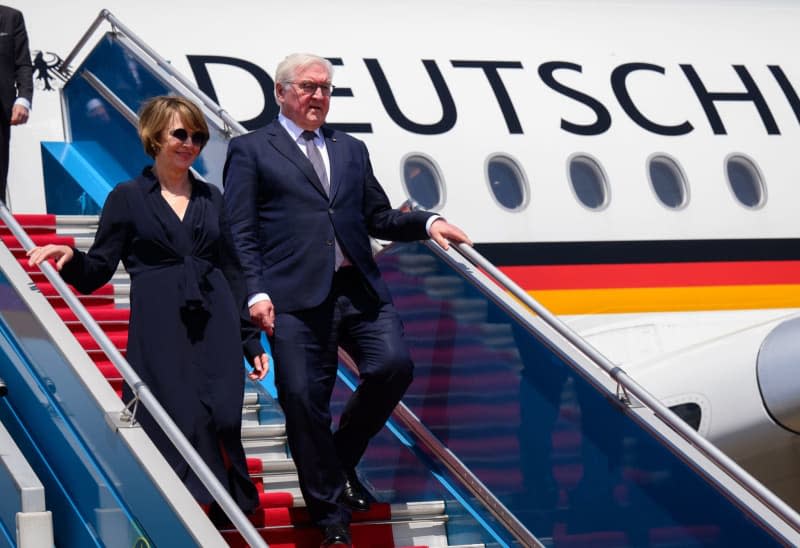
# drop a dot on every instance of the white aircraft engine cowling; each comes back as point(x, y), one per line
point(778, 370)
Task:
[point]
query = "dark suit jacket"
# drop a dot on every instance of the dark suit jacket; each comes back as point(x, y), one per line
point(16, 71)
point(284, 224)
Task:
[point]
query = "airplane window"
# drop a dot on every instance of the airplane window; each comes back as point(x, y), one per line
point(745, 180)
point(690, 413)
point(668, 181)
point(588, 182)
point(422, 181)
point(506, 182)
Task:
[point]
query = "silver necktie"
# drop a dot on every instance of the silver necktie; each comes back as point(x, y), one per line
point(316, 160)
point(319, 167)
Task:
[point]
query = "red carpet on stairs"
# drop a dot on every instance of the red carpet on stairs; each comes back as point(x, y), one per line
point(280, 523)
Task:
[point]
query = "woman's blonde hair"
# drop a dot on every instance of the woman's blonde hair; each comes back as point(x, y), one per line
point(156, 116)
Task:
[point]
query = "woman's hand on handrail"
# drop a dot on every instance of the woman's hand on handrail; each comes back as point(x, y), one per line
point(61, 254)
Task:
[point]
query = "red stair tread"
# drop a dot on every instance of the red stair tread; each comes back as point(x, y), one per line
point(27, 219)
point(38, 239)
point(298, 516)
point(275, 499)
point(31, 269)
point(254, 465)
point(49, 289)
point(32, 223)
point(98, 355)
point(107, 327)
point(86, 300)
point(120, 340)
point(364, 536)
point(108, 369)
point(63, 309)
point(120, 315)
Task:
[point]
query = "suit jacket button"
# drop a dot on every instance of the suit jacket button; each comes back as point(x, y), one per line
point(329, 242)
point(330, 211)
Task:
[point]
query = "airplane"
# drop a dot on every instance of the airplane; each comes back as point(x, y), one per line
point(628, 164)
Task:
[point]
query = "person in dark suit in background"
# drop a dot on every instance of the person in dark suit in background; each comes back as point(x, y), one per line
point(16, 82)
point(302, 201)
point(189, 321)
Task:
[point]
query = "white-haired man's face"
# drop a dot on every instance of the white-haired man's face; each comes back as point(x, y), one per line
point(299, 103)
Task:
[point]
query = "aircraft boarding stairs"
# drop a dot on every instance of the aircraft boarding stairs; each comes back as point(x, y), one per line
point(553, 445)
point(514, 432)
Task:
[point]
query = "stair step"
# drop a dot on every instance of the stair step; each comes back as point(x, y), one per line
point(383, 525)
point(80, 224)
point(251, 431)
point(120, 340)
point(39, 239)
point(33, 223)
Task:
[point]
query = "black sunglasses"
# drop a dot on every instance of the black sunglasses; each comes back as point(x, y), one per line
point(198, 137)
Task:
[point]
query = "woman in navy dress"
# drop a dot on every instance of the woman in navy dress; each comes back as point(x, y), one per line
point(188, 324)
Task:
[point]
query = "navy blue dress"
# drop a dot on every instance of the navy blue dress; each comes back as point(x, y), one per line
point(188, 323)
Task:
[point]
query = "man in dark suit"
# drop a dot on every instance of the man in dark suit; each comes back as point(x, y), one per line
point(302, 202)
point(16, 82)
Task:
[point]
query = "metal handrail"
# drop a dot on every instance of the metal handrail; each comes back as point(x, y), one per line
point(111, 97)
point(747, 481)
point(142, 392)
point(162, 63)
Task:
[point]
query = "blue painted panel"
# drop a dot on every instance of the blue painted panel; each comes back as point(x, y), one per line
point(7, 534)
point(79, 176)
point(63, 194)
point(97, 490)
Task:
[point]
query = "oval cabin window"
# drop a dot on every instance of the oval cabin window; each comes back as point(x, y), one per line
point(422, 182)
point(588, 182)
point(668, 182)
point(507, 183)
point(745, 181)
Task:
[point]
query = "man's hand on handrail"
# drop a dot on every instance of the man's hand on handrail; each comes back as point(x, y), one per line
point(444, 233)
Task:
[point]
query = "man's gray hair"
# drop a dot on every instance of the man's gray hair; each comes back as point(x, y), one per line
point(296, 62)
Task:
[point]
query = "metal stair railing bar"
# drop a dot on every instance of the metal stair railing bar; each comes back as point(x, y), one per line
point(232, 127)
point(111, 97)
point(142, 393)
point(624, 382)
